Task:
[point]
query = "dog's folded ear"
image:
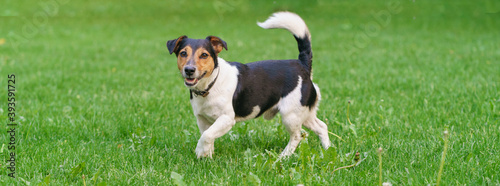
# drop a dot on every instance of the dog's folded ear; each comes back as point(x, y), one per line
point(173, 45)
point(217, 43)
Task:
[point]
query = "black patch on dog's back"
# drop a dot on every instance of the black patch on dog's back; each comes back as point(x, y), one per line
point(264, 83)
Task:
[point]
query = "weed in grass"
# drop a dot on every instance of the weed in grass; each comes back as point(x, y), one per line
point(78, 169)
point(356, 163)
point(379, 152)
point(252, 179)
point(178, 179)
point(46, 180)
point(443, 156)
point(83, 178)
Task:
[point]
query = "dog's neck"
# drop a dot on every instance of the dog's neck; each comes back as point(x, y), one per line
point(205, 85)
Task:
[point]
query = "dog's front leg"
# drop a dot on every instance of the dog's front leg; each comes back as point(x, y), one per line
point(203, 124)
point(221, 126)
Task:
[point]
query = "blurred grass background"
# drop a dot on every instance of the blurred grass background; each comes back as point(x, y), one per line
point(97, 88)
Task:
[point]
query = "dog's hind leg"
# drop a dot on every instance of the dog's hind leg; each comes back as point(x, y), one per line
point(320, 128)
point(293, 124)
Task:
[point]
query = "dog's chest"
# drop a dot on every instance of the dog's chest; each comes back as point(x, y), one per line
point(219, 101)
point(211, 107)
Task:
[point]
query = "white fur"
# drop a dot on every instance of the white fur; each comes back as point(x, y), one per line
point(215, 112)
point(287, 20)
point(316, 125)
point(293, 114)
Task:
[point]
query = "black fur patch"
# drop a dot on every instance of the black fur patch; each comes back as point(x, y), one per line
point(264, 83)
point(305, 55)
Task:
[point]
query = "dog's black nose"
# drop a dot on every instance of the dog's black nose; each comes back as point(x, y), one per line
point(189, 70)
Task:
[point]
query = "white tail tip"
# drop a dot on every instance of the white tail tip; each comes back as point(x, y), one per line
point(287, 20)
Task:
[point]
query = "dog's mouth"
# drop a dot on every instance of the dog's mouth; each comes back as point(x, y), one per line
point(191, 81)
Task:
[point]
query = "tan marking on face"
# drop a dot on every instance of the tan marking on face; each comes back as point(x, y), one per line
point(182, 60)
point(204, 64)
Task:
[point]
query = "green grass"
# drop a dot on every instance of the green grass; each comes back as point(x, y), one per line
point(101, 96)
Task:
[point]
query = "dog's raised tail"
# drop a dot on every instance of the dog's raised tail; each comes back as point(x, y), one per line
point(293, 23)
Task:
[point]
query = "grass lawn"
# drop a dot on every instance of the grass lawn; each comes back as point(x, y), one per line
point(100, 101)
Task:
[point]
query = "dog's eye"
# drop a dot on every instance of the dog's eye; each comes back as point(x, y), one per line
point(183, 54)
point(204, 56)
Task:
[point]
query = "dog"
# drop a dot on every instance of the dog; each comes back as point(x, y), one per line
point(223, 93)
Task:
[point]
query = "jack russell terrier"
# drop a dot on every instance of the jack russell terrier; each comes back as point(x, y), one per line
point(223, 93)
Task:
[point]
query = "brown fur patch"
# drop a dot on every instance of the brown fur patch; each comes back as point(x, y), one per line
point(217, 48)
point(217, 43)
point(181, 61)
point(204, 65)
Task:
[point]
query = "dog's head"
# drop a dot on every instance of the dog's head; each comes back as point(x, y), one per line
point(196, 58)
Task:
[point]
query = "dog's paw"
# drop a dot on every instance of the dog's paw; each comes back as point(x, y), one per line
point(204, 149)
point(326, 144)
point(285, 153)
